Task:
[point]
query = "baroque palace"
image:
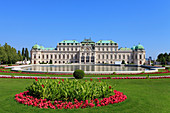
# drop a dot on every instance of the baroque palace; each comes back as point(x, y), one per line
point(87, 52)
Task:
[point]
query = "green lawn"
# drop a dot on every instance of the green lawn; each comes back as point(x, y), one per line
point(144, 96)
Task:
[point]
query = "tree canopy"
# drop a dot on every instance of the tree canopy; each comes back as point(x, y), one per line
point(163, 58)
point(9, 55)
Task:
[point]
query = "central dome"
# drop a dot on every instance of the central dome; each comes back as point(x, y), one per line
point(139, 47)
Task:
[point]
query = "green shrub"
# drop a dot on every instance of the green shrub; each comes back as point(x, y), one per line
point(68, 90)
point(163, 65)
point(78, 74)
point(167, 67)
point(123, 62)
point(152, 64)
point(20, 71)
point(142, 72)
point(114, 73)
point(147, 76)
point(9, 64)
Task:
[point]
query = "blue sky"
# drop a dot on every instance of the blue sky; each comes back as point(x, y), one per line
point(24, 23)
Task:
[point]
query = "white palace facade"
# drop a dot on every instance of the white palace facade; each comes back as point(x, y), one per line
point(87, 52)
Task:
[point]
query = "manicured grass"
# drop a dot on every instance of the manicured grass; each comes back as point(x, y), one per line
point(143, 96)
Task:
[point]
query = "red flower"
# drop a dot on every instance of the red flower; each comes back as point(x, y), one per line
point(110, 87)
point(36, 79)
point(42, 85)
point(99, 81)
point(63, 80)
point(91, 79)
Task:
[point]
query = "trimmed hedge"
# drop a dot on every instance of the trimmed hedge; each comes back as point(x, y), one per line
point(78, 74)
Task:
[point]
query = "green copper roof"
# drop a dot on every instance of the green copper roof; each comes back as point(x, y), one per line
point(69, 41)
point(139, 47)
point(133, 48)
point(36, 46)
point(105, 41)
point(49, 48)
point(124, 49)
point(88, 41)
point(41, 47)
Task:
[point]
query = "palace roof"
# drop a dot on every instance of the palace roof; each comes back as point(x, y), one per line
point(88, 41)
point(69, 41)
point(124, 49)
point(105, 41)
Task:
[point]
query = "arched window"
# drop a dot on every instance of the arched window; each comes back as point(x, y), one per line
point(111, 57)
point(98, 56)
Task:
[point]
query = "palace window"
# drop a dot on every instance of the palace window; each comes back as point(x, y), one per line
point(67, 49)
point(47, 56)
point(98, 56)
point(140, 56)
point(35, 56)
point(63, 49)
point(107, 56)
point(67, 43)
point(43, 56)
point(127, 56)
point(51, 56)
point(55, 56)
point(76, 56)
point(63, 56)
point(123, 56)
point(67, 56)
point(115, 56)
point(59, 56)
point(111, 57)
point(103, 56)
point(119, 56)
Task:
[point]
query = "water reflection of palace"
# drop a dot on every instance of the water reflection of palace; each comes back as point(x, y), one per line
point(84, 67)
point(87, 52)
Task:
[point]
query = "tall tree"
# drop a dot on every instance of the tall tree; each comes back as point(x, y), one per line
point(23, 53)
point(3, 55)
point(20, 56)
point(26, 53)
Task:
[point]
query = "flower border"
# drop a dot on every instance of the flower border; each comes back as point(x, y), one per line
point(151, 77)
point(26, 99)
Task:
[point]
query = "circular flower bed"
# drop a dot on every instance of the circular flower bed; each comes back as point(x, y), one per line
point(69, 94)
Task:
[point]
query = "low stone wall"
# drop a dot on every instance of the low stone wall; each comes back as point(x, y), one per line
point(152, 69)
